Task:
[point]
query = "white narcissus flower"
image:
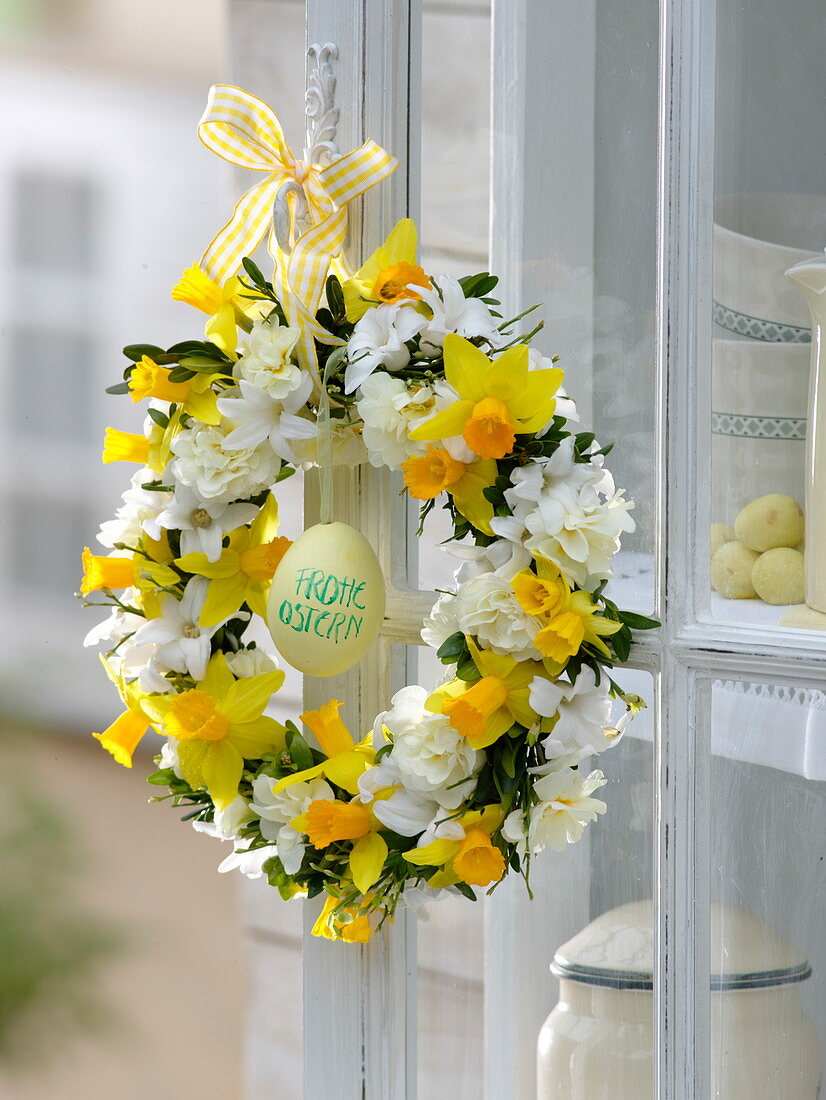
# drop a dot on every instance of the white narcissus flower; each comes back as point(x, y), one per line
point(139, 507)
point(442, 622)
point(405, 811)
point(347, 446)
point(169, 756)
point(266, 359)
point(226, 823)
point(181, 644)
point(202, 523)
point(453, 312)
point(487, 609)
point(258, 417)
point(560, 817)
point(277, 810)
point(431, 755)
point(559, 513)
point(565, 405)
point(215, 473)
point(250, 662)
point(390, 410)
point(584, 713)
point(116, 626)
point(250, 862)
point(380, 340)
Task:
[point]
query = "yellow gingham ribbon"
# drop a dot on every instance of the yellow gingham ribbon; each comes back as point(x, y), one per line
point(243, 130)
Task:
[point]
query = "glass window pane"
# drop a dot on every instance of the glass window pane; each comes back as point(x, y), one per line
point(455, 193)
point(493, 960)
point(768, 948)
point(54, 223)
point(53, 378)
point(769, 215)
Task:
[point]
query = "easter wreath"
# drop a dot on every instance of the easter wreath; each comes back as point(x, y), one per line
point(406, 370)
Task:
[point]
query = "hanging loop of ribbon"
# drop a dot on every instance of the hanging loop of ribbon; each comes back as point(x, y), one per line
point(243, 130)
point(290, 214)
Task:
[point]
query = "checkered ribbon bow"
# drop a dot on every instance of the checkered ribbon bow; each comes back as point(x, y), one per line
point(243, 130)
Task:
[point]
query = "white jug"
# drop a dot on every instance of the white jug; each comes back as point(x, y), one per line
point(810, 279)
point(598, 1042)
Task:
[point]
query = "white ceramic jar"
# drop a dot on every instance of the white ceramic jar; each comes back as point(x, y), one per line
point(598, 1042)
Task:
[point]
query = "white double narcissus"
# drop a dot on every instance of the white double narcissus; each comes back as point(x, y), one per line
point(582, 713)
point(266, 359)
point(277, 808)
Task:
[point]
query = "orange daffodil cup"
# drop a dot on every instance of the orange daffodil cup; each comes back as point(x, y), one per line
point(449, 789)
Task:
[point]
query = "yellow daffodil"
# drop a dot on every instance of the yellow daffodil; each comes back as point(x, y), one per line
point(194, 396)
point(125, 447)
point(428, 475)
point(350, 923)
point(569, 618)
point(244, 571)
point(327, 820)
point(345, 761)
point(224, 305)
point(386, 274)
point(484, 710)
point(122, 737)
point(498, 399)
point(474, 859)
point(115, 572)
point(218, 724)
point(153, 450)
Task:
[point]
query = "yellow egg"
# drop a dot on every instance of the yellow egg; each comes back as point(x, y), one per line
point(770, 521)
point(327, 600)
point(721, 533)
point(731, 570)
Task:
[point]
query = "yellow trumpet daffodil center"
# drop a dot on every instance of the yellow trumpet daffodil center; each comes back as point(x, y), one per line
point(125, 447)
point(489, 431)
point(149, 380)
point(197, 289)
point(469, 713)
point(535, 595)
point(478, 862)
point(348, 924)
point(329, 728)
point(562, 637)
point(428, 475)
point(122, 737)
point(102, 572)
point(193, 395)
point(193, 714)
point(327, 820)
point(261, 562)
point(392, 282)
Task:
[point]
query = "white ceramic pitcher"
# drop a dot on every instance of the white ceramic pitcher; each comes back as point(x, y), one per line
point(810, 279)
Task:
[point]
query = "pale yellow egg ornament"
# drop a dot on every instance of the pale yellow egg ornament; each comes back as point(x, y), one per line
point(327, 600)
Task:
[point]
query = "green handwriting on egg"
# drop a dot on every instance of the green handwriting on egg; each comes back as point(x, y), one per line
point(325, 604)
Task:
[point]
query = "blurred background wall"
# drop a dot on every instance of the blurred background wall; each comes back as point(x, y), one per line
point(121, 950)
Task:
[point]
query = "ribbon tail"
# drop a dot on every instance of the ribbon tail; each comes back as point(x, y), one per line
point(244, 231)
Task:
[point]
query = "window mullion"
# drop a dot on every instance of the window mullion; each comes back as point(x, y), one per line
point(359, 1002)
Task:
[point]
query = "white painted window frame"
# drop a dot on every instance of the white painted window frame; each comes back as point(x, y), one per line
point(360, 1004)
point(691, 649)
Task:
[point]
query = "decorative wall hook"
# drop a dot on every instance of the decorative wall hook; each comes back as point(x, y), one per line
point(290, 212)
